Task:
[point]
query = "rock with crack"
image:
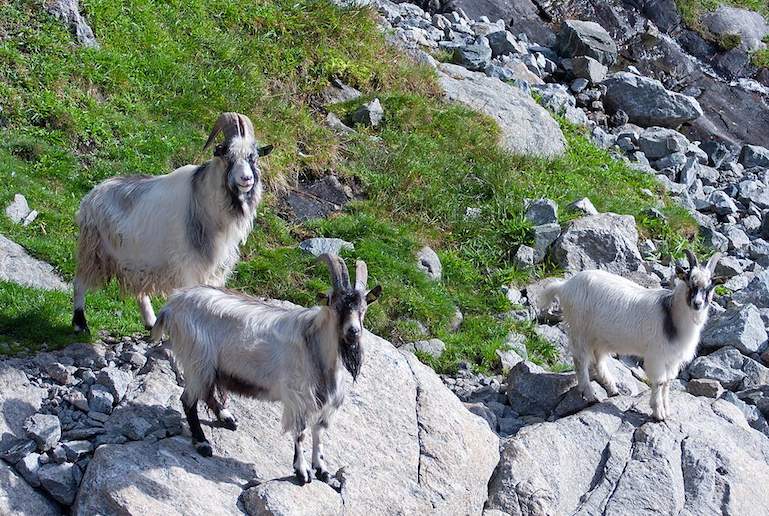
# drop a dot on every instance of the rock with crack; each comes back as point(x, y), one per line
point(527, 128)
point(611, 459)
point(19, 267)
point(405, 442)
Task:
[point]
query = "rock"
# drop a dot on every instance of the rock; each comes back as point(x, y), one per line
point(59, 480)
point(606, 241)
point(647, 102)
point(29, 468)
point(722, 204)
point(68, 11)
point(76, 449)
point(610, 459)
point(429, 263)
point(18, 498)
point(501, 43)
point(757, 291)
point(14, 451)
point(337, 125)
point(658, 142)
point(337, 92)
point(560, 341)
point(544, 236)
point(137, 428)
point(19, 267)
point(755, 192)
point(523, 75)
point(433, 347)
point(19, 212)
point(724, 366)
point(750, 26)
point(738, 239)
point(717, 152)
point(754, 156)
point(282, 498)
point(524, 257)
point(585, 38)
point(588, 68)
point(44, 429)
point(481, 410)
point(59, 374)
point(541, 211)
point(115, 380)
point(411, 448)
point(578, 85)
point(527, 128)
point(369, 114)
point(533, 392)
point(584, 206)
point(764, 230)
point(473, 57)
point(704, 387)
point(319, 246)
point(100, 400)
point(18, 401)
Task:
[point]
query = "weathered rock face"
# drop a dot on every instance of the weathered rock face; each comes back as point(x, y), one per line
point(749, 25)
point(611, 459)
point(606, 241)
point(19, 267)
point(585, 38)
point(527, 128)
point(647, 102)
point(403, 441)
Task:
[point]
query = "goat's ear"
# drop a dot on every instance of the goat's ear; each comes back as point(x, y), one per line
point(322, 299)
point(264, 151)
point(713, 262)
point(373, 294)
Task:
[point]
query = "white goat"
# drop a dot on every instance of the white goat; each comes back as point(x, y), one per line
point(157, 233)
point(609, 314)
point(230, 342)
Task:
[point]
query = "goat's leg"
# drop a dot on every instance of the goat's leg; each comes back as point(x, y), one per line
point(656, 372)
point(666, 398)
point(318, 461)
point(199, 440)
point(582, 368)
point(224, 416)
point(302, 470)
point(656, 401)
point(148, 314)
point(603, 376)
point(79, 322)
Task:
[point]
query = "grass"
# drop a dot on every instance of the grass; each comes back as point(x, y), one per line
point(692, 10)
point(142, 103)
point(760, 58)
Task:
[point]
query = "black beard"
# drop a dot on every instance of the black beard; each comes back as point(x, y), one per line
point(352, 357)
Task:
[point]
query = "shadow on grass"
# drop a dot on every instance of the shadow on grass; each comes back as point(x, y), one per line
point(32, 328)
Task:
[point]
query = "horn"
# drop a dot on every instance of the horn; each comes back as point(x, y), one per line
point(338, 270)
point(345, 272)
point(231, 124)
point(361, 275)
point(692, 259)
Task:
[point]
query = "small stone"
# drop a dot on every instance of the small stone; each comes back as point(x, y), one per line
point(544, 236)
point(473, 57)
point(369, 114)
point(584, 206)
point(116, 380)
point(428, 261)
point(319, 246)
point(524, 257)
point(18, 210)
point(578, 85)
point(754, 156)
point(44, 429)
point(77, 399)
point(541, 211)
point(76, 449)
point(100, 417)
point(58, 454)
point(588, 68)
point(59, 374)
point(18, 450)
point(100, 399)
point(704, 387)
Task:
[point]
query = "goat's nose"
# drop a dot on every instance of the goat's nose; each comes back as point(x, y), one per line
point(354, 331)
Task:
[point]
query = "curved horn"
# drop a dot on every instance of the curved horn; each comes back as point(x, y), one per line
point(336, 266)
point(345, 272)
point(361, 275)
point(692, 259)
point(231, 124)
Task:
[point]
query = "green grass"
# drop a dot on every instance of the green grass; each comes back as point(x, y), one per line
point(692, 10)
point(760, 58)
point(143, 104)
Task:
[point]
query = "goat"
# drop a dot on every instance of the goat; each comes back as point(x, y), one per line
point(229, 342)
point(158, 233)
point(608, 314)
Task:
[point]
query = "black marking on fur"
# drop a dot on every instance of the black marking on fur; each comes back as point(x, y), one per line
point(198, 437)
point(129, 188)
point(197, 233)
point(226, 382)
point(78, 320)
point(668, 324)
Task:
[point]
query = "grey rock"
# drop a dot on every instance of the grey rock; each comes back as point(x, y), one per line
point(586, 67)
point(724, 365)
point(319, 246)
point(754, 156)
point(116, 380)
point(44, 429)
point(337, 92)
point(282, 498)
point(59, 374)
point(533, 392)
point(764, 230)
point(722, 204)
point(585, 38)
point(750, 26)
point(14, 451)
point(558, 339)
point(727, 267)
point(757, 291)
point(606, 241)
point(29, 468)
point(429, 262)
point(68, 11)
point(100, 399)
point(544, 236)
point(137, 428)
point(19, 212)
point(369, 114)
point(19, 498)
point(337, 125)
point(60, 482)
point(524, 257)
point(755, 192)
point(19, 267)
point(658, 142)
point(473, 57)
point(481, 410)
point(578, 85)
point(501, 43)
point(541, 211)
point(433, 347)
point(738, 239)
point(527, 128)
point(717, 152)
point(704, 387)
point(647, 102)
point(75, 450)
point(584, 206)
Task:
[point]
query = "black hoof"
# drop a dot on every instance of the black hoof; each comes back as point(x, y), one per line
point(229, 423)
point(79, 323)
point(303, 477)
point(322, 475)
point(148, 327)
point(204, 449)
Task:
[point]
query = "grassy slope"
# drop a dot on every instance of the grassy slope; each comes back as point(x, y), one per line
point(143, 103)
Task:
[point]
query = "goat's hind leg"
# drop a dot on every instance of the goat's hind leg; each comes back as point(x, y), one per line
point(582, 369)
point(318, 461)
point(79, 322)
point(224, 416)
point(302, 470)
point(199, 440)
point(148, 314)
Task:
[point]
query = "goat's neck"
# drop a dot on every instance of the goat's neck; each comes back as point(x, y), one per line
point(211, 195)
point(328, 327)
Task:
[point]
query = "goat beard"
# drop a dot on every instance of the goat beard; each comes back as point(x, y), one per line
point(352, 357)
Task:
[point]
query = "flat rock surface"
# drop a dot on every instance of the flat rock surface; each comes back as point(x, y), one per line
point(17, 266)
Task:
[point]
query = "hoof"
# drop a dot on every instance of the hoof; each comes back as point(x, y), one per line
point(79, 323)
point(303, 476)
point(204, 449)
point(230, 423)
point(322, 475)
point(148, 327)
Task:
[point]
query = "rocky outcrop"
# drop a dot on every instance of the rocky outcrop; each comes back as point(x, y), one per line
point(749, 26)
point(17, 266)
point(527, 128)
point(611, 459)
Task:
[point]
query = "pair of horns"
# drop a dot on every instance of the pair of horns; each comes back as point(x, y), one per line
point(340, 275)
point(232, 125)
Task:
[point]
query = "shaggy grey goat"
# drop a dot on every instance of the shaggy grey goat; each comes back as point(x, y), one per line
point(229, 342)
point(609, 314)
point(158, 233)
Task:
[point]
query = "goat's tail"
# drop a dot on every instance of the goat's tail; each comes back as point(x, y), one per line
point(160, 322)
point(548, 295)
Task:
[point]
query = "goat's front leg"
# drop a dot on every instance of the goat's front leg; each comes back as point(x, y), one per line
point(148, 314)
point(666, 398)
point(656, 402)
point(199, 440)
point(302, 470)
point(581, 368)
point(318, 461)
point(603, 376)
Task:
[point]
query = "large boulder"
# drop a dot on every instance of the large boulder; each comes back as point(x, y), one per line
point(613, 459)
point(586, 38)
point(647, 102)
point(527, 128)
point(605, 241)
point(741, 327)
point(750, 26)
point(401, 442)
